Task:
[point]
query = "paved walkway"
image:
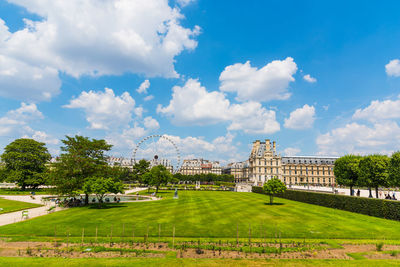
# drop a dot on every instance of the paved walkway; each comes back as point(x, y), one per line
point(346, 191)
point(13, 217)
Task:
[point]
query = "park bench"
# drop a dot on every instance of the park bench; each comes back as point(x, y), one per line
point(25, 215)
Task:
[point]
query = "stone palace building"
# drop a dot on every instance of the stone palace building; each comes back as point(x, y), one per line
point(265, 163)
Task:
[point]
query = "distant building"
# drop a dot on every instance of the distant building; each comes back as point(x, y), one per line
point(200, 166)
point(308, 170)
point(265, 163)
point(239, 170)
point(128, 163)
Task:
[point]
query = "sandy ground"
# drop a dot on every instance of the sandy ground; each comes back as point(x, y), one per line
point(74, 250)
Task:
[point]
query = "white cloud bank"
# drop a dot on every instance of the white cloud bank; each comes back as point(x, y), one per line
point(89, 37)
point(301, 118)
point(267, 83)
point(192, 104)
point(15, 124)
point(393, 68)
point(379, 110)
point(105, 110)
point(380, 133)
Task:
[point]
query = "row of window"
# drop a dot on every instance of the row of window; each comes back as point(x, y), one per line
point(318, 180)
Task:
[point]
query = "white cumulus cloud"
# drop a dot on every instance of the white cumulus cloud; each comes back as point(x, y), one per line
point(357, 138)
point(16, 124)
point(90, 37)
point(291, 151)
point(393, 68)
point(105, 110)
point(301, 118)
point(309, 79)
point(143, 87)
point(193, 104)
point(379, 110)
point(267, 83)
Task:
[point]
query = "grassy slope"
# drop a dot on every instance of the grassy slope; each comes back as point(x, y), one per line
point(188, 262)
point(10, 205)
point(210, 214)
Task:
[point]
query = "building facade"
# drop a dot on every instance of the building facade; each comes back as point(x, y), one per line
point(308, 170)
point(239, 170)
point(200, 166)
point(265, 163)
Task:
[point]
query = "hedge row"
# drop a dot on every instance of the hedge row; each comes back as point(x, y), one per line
point(382, 208)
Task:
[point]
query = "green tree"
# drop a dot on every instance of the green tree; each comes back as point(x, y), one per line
point(81, 159)
point(394, 169)
point(272, 187)
point(100, 186)
point(157, 176)
point(346, 171)
point(374, 172)
point(139, 169)
point(25, 162)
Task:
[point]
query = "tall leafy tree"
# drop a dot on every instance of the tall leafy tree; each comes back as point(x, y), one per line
point(157, 176)
point(346, 171)
point(81, 159)
point(394, 169)
point(272, 187)
point(139, 169)
point(374, 171)
point(25, 162)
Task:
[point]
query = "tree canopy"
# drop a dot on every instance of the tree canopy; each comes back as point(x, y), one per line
point(394, 169)
point(374, 171)
point(139, 169)
point(25, 162)
point(272, 187)
point(346, 171)
point(101, 186)
point(157, 176)
point(82, 158)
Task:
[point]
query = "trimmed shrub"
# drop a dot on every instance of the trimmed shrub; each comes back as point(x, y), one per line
point(382, 208)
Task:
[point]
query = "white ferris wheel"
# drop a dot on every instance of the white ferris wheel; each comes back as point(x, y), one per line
point(158, 150)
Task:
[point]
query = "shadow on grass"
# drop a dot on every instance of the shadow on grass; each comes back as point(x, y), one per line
point(106, 206)
point(274, 204)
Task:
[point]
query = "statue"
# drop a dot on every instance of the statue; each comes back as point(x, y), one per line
point(176, 193)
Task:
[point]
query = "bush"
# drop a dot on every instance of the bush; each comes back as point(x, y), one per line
point(381, 208)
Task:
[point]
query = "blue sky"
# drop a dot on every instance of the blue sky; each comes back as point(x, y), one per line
point(319, 77)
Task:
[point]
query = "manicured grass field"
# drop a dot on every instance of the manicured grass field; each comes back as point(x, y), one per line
point(207, 214)
point(188, 262)
point(10, 205)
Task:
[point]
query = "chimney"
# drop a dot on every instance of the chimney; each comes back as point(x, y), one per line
point(274, 147)
point(267, 145)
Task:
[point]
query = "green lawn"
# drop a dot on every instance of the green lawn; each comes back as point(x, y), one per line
point(11, 205)
point(208, 214)
point(187, 262)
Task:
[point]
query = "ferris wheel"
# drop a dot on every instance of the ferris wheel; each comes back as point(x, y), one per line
point(158, 150)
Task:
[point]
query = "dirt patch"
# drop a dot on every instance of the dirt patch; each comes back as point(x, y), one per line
point(188, 250)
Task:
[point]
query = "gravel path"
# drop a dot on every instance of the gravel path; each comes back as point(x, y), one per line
point(16, 216)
